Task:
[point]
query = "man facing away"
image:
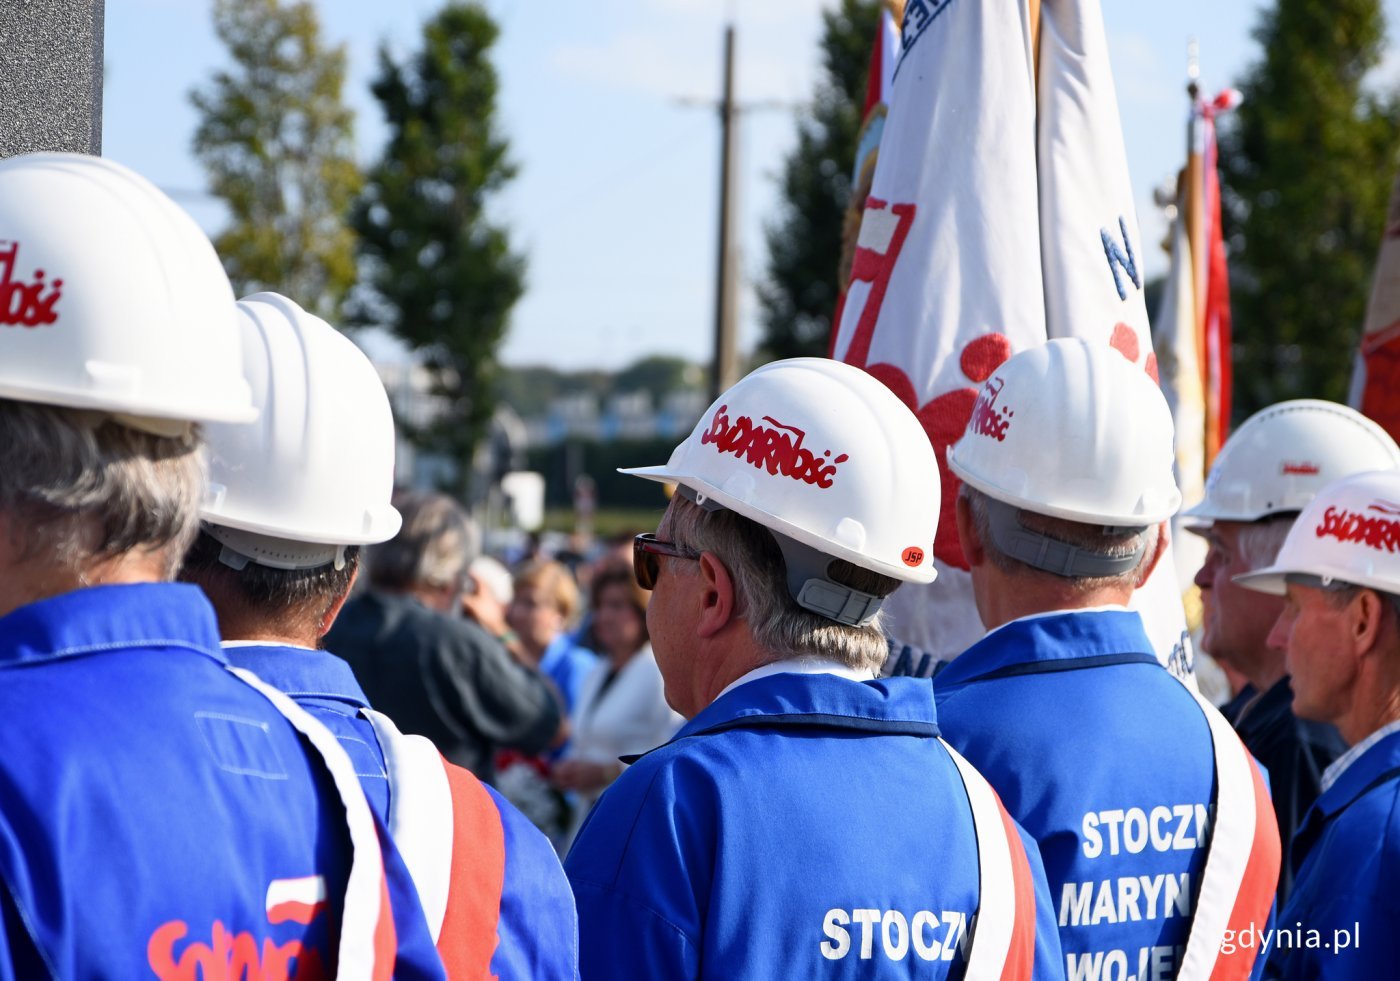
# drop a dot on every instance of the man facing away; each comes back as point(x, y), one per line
point(1339, 629)
point(296, 496)
point(807, 821)
point(432, 670)
point(1153, 822)
point(158, 815)
point(1267, 472)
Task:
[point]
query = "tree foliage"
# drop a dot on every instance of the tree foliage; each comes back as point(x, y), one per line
point(277, 143)
point(1307, 163)
point(798, 298)
point(438, 272)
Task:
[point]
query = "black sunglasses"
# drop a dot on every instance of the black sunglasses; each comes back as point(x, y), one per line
point(645, 564)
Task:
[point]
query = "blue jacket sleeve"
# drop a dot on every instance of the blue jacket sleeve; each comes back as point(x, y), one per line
point(538, 928)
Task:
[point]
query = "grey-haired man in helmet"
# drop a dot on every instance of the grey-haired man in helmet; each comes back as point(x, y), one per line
point(1339, 629)
point(1107, 760)
point(1268, 471)
point(158, 816)
point(786, 828)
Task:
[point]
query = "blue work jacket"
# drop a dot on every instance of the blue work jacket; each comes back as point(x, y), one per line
point(1107, 762)
point(1343, 919)
point(537, 928)
point(800, 826)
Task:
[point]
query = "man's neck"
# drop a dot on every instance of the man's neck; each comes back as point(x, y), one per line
point(28, 582)
point(1375, 710)
point(1003, 597)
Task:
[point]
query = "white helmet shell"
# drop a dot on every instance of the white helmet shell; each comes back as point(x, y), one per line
point(1072, 430)
point(1349, 532)
point(1281, 456)
point(823, 453)
point(112, 298)
point(318, 465)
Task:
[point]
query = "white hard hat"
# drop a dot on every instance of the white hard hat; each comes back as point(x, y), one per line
point(317, 468)
point(1349, 533)
point(824, 455)
point(1283, 455)
point(1072, 430)
point(111, 298)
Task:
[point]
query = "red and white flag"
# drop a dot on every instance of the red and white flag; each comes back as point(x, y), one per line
point(1000, 214)
point(1193, 322)
point(1375, 386)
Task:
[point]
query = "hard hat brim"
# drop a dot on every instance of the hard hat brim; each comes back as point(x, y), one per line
point(1271, 580)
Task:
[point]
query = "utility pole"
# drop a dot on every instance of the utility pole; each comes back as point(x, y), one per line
point(724, 370)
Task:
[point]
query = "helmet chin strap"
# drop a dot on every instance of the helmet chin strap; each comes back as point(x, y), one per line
point(1040, 551)
point(807, 580)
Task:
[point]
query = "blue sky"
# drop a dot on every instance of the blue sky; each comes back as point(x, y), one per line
point(616, 200)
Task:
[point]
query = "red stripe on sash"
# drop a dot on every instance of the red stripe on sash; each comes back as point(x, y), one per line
point(1256, 893)
point(1020, 956)
point(386, 941)
point(468, 937)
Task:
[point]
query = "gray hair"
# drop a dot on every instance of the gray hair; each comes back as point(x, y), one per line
point(436, 544)
point(83, 488)
point(1259, 542)
point(776, 622)
point(1112, 543)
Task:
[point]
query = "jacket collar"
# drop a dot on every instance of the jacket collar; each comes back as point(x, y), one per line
point(101, 618)
point(895, 705)
point(299, 671)
point(1051, 641)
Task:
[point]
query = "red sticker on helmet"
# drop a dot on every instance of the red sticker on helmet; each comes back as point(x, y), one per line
point(25, 304)
point(913, 556)
point(1303, 468)
point(771, 447)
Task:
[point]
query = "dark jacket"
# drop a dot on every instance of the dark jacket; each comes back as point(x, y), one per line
point(1295, 752)
point(444, 678)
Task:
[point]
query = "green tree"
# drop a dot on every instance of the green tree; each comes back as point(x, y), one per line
point(798, 297)
point(277, 143)
point(1307, 162)
point(437, 271)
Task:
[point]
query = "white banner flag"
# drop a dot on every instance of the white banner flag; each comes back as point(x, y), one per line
point(970, 251)
point(946, 279)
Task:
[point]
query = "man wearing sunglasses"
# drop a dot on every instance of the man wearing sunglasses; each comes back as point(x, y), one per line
point(807, 812)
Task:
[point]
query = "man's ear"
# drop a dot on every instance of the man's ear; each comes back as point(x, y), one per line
point(1158, 550)
point(717, 599)
point(1367, 616)
point(333, 611)
point(972, 548)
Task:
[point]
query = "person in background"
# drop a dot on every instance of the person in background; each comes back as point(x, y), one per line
point(1067, 487)
point(621, 708)
point(544, 606)
point(431, 670)
point(1338, 573)
point(542, 611)
point(301, 491)
point(158, 812)
point(1268, 471)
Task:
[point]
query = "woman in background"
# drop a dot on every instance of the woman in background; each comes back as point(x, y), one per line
point(622, 706)
point(541, 611)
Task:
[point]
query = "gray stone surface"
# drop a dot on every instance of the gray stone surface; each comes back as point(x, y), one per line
point(51, 75)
